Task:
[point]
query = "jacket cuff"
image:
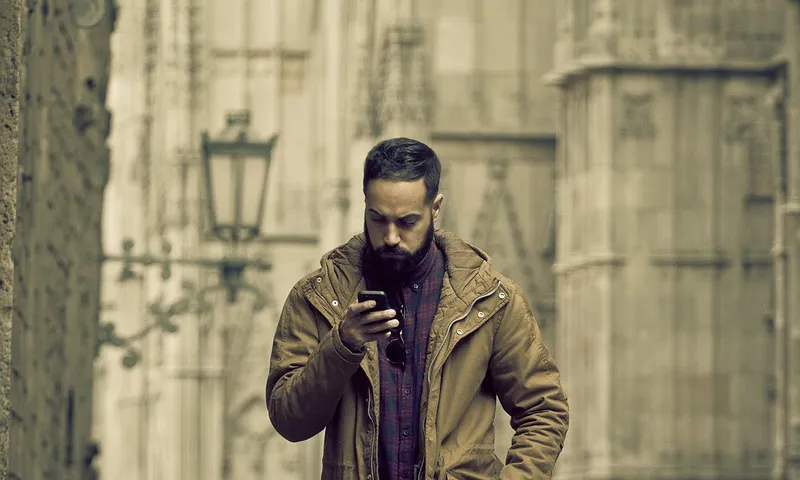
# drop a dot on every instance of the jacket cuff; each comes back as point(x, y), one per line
point(343, 351)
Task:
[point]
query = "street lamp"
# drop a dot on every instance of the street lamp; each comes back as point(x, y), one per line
point(236, 172)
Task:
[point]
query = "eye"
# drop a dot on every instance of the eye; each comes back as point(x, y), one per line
point(408, 223)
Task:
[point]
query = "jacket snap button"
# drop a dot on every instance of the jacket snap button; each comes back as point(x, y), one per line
point(319, 279)
point(502, 295)
point(481, 314)
point(335, 303)
point(460, 332)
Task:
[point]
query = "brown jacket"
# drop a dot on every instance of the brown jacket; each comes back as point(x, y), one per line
point(484, 342)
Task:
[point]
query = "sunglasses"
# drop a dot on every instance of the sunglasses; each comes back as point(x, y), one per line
point(396, 348)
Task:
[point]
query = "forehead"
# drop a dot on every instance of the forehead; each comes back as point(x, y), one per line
point(390, 197)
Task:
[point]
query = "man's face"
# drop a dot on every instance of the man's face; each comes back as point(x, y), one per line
point(398, 223)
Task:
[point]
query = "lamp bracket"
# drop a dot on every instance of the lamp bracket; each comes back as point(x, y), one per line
point(193, 301)
point(165, 262)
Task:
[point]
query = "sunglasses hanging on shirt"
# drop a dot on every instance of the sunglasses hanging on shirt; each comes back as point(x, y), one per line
point(396, 348)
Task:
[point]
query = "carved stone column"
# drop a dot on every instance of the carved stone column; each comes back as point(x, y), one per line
point(403, 99)
point(365, 85)
point(664, 201)
point(393, 96)
point(792, 217)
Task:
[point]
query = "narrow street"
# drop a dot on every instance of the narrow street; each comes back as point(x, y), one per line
point(633, 165)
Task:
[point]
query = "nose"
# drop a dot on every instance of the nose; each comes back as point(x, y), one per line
point(391, 239)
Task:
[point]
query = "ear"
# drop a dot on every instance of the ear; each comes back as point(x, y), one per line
point(436, 206)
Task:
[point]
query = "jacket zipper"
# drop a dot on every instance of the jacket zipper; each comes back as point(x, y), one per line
point(374, 447)
point(491, 292)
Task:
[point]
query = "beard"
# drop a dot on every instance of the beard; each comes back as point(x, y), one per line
point(391, 265)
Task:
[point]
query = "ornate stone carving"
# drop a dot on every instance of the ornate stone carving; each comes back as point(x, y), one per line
point(507, 246)
point(672, 31)
point(637, 116)
point(747, 126)
point(601, 31)
point(404, 95)
point(342, 194)
point(740, 118)
point(365, 124)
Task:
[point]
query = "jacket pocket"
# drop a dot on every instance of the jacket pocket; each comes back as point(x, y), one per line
point(334, 471)
point(476, 463)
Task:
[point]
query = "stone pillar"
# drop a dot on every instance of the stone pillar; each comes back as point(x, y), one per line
point(192, 384)
point(10, 69)
point(664, 195)
point(403, 108)
point(792, 239)
point(363, 131)
point(333, 183)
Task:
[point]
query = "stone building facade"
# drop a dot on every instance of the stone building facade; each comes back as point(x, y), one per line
point(633, 196)
point(665, 191)
point(466, 78)
point(179, 67)
point(55, 167)
point(662, 188)
point(192, 407)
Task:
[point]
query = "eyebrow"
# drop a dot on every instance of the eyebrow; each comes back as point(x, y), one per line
point(407, 216)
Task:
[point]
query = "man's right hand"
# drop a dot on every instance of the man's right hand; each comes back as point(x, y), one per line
point(359, 328)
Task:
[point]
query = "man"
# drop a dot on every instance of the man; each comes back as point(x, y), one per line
point(468, 333)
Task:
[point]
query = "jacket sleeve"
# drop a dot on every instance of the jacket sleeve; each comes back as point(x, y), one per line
point(308, 372)
point(529, 388)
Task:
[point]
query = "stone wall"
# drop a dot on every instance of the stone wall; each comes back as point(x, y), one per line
point(63, 165)
point(665, 192)
point(10, 53)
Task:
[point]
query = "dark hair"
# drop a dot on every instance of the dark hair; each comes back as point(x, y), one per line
point(404, 159)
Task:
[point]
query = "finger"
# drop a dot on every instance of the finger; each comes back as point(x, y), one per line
point(358, 308)
point(381, 316)
point(363, 307)
point(379, 327)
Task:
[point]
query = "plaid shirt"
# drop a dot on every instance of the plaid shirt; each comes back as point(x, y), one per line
point(401, 387)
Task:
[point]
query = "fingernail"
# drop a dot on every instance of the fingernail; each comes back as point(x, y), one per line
point(372, 303)
point(393, 312)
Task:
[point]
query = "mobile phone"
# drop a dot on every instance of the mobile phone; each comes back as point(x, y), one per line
point(381, 302)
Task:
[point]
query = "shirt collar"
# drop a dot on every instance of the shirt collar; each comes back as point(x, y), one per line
point(425, 265)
